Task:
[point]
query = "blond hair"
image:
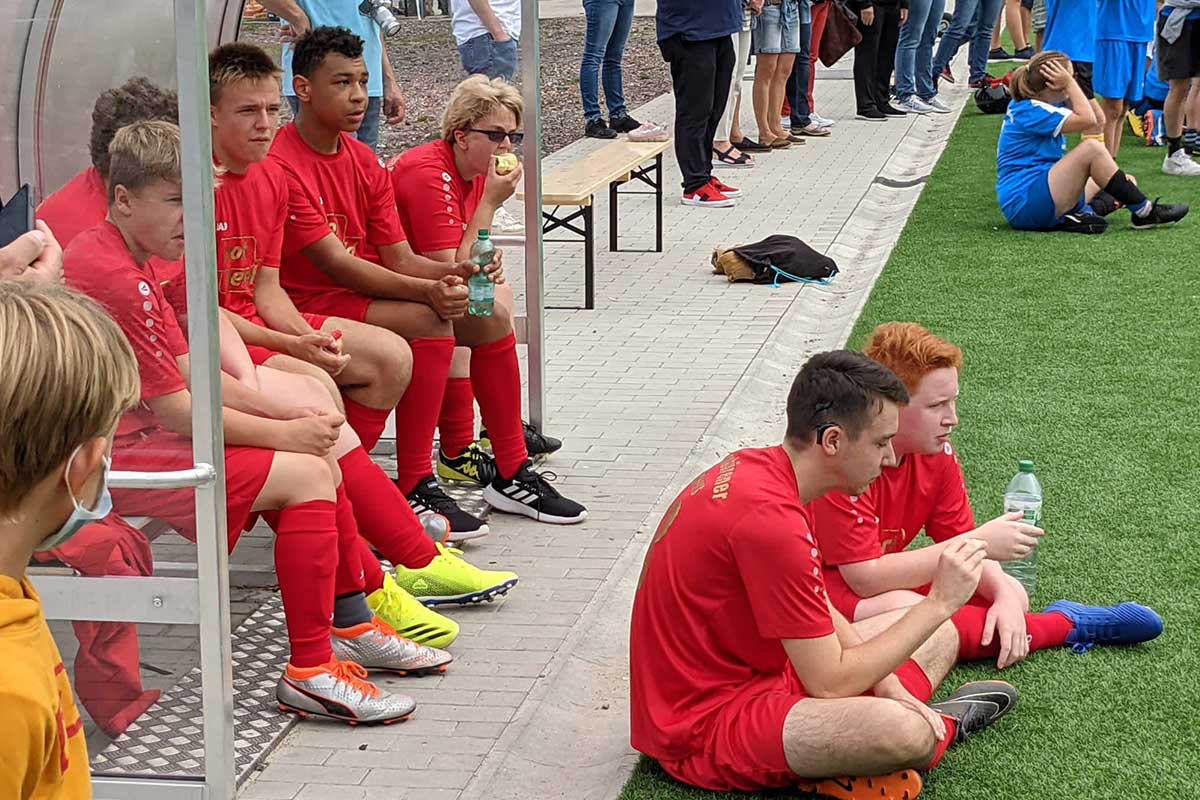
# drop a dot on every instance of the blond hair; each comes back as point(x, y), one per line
point(237, 61)
point(1027, 80)
point(67, 376)
point(474, 99)
point(143, 153)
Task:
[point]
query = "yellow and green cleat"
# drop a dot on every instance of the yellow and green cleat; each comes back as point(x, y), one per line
point(411, 618)
point(449, 580)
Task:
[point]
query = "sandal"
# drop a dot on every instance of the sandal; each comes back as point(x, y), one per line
point(748, 145)
point(781, 144)
point(725, 159)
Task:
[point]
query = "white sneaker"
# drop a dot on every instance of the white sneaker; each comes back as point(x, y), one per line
point(504, 222)
point(786, 122)
point(822, 122)
point(937, 105)
point(914, 105)
point(1181, 164)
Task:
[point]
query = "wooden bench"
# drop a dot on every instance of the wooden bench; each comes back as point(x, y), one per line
point(575, 185)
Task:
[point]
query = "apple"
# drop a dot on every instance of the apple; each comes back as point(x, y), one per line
point(505, 163)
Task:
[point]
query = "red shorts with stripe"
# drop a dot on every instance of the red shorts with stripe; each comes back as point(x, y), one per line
point(342, 303)
point(246, 471)
point(260, 355)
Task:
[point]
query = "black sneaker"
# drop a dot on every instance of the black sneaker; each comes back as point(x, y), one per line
point(536, 442)
point(1082, 223)
point(471, 466)
point(531, 494)
point(872, 115)
point(624, 124)
point(1023, 55)
point(976, 705)
point(598, 129)
point(1160, 214)
point(428, 496)
point(891, 111)
point(1000, 54)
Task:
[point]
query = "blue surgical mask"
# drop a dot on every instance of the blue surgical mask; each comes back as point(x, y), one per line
point(80, 516)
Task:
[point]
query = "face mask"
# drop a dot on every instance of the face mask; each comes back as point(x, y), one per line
point(80, 516)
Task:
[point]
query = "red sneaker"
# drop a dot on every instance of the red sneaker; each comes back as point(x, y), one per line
point(707, 195)
point(947, 75)
point(725, 189)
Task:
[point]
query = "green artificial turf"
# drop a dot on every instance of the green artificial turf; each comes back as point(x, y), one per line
point(1083, 353)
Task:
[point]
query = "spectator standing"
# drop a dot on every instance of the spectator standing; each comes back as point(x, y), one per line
point(775, 42)
point(1016, 19)
point(799, 83)
point(384, 98)
point(696, 39)
point(979, 16)
point(729, 142)
point(488, 33)
point(879, 23)
point(608, 25)
point(916, 92)
point(1178, 54)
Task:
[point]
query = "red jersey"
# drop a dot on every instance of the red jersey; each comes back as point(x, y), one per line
point(100, 265)
point(734, 569)
point(923, 492)
point(349, 190)
point(434, 201)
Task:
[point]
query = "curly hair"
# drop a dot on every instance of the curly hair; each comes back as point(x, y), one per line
point(911, 351)
point(312, 47)
point(237, 61)
point(136, 100)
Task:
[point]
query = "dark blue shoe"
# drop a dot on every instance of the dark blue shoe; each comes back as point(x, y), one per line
point(1124, 623)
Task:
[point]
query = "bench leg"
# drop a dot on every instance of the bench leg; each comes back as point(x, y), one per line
point(658, 200)
point(589, 257)
point(613, 199)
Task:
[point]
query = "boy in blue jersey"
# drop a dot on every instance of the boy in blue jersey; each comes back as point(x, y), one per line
point(1040, 185)
point(1178, 45)
point(1123, 29)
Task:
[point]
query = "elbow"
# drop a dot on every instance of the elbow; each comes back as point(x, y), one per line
point(828, 687)
point(861, 579)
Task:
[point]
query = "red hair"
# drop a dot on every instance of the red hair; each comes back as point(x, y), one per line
point(911, 351)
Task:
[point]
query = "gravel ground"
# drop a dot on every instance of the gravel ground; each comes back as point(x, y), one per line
point(427, 65)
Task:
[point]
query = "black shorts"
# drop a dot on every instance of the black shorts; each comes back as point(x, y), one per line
point(1181, 59)
point(1028, 4)
point(1083, 76)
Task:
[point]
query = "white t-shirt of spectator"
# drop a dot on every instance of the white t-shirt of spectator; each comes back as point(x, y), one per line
point(467, 26)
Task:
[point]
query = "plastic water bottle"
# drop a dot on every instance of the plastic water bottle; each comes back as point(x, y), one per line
point(1024, 494)
point(482, 292)
point(436, 526)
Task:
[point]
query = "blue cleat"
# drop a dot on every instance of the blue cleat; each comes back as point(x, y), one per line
point(1124, 623)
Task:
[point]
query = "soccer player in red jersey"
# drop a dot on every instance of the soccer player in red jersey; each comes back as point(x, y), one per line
point(367, 271)
point(742, 675)
point(863, 535)
point(446, 192)
point(275, 463)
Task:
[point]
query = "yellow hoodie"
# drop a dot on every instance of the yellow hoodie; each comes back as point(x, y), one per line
point(43, 755)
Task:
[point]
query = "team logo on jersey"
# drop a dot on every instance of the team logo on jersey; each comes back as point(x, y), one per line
point(143, 289)
point(892, 539)
point(238, 264)
point(338, 223)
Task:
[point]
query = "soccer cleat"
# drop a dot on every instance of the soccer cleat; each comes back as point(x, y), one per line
point(428, 496)
point(450, 580)
point(1160, 214)
point(536, 442)
point(339, 690)
point(531, 494)
point(409, 617)
point(903, 784)
point(707, 196)
point(1180, 164)
point(1124, 623)
point(976, 705)
point(376, 645)
point(470, 466)
point(1082, 222)
point(725, 189)
point(1136, 124)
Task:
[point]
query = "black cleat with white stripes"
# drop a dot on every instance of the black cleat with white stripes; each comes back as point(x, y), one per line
point(530, 493)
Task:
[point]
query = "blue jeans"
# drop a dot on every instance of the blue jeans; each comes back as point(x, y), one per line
point(914, 53)
point(483, 55)
point(797, 83)
point(368, 131)
point(608, 25)
point(965, 14)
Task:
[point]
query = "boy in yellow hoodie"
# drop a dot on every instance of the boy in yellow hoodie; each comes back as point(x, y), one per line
point(67, 376)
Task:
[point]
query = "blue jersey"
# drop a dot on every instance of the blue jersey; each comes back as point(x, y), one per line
point(342, 13)
point(1126, 20)
point(1031, 142)
point(1155, 89)
point(1071, 28)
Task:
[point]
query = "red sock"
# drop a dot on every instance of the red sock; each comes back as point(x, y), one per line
point(367, 422)
point(944, 744)
point(456, 425)
point(496, 379)
point(1046, 630)
point(306, 536)
point(384, 517)
point(913, 678)
point(348, 579)
point(372, 571)
point(417, 413)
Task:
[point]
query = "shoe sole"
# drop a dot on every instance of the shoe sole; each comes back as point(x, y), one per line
point(723, 165)
point(707, 203)
point(1154, 225)
point(900, 785)
point(509, 506)
point(470, 598)
point(465, 536)
point(872, 119)
point(420, 672)
point(354, 723)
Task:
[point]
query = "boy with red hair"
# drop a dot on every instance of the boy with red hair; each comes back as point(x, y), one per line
point(863, 537)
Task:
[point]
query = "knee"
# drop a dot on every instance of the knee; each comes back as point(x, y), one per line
point(912, 743)
point(1093, 148)
point(301, 478)
point(426, 324)
point(390, 360)
point(316, 390)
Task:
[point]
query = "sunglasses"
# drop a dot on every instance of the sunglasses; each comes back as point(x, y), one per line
point(497, 137)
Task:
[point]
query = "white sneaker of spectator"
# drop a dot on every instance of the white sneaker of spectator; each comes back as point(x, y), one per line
point(786, 122)
point(821, 122)
point(504, 222)
point(915, 105)
point(1180, 163)
point(937, 105)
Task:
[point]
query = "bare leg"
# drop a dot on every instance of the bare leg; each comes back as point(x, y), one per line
point(1012, 20)
point(302, 390)
point(783, 68)
point(460, 367)
point(1114, 124)
point(936, 656)
point(380, 363)
point(1192, 109)
point(855, 736)
point(295, 478)
point(1068, 178)
point(735, 128)
point(298, 367)
point(887, 601)
point(1178, 96)
point(764, 69)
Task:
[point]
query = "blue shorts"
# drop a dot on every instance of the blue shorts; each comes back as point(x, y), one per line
point(1033, 208)
point(777, 28)
point(1119, 72)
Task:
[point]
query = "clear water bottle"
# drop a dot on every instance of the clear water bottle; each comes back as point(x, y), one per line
point(482, 292)
point(436, 526)
point(1024, 494)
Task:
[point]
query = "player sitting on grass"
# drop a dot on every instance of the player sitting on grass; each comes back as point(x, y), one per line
point(863, 537)
point(1043, 187)
point(743, 677)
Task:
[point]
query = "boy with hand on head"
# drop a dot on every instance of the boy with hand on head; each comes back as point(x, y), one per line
point(275, 463)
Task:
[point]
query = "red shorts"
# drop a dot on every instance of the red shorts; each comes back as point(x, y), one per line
point(246, 471)
point(260, 355)
point(841, 596)
point(342, 303)
point(743, 740)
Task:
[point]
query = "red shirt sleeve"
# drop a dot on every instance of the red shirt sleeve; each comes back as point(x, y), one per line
point(847, 528)
point(779, 564)
point(383, 221)
point(432, 205)
point(951, 514)
point(306, 223)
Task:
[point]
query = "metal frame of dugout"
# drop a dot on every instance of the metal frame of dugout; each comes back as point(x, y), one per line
point(204, 600)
